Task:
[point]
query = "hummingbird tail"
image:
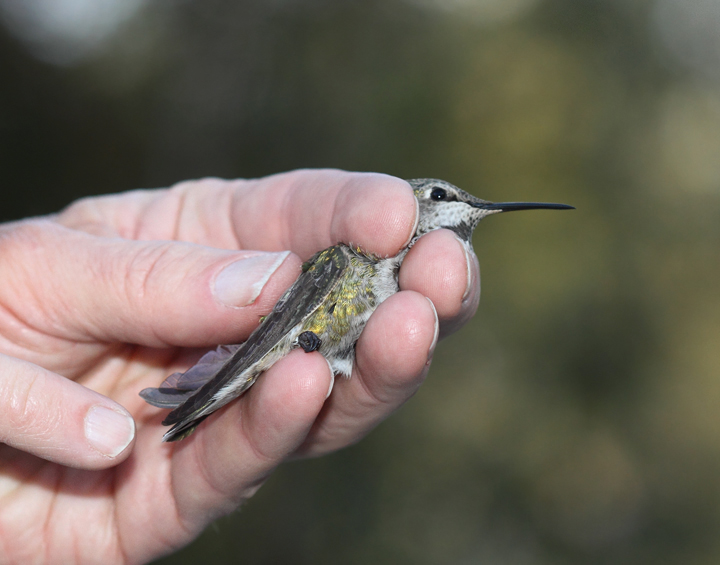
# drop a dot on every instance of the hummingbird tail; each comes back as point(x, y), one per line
point(181, 430)
point(165, 397)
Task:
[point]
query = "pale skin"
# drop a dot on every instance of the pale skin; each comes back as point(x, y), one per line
point(114, 293)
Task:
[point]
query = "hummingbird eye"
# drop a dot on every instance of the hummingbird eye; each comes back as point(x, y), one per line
point(438, 194)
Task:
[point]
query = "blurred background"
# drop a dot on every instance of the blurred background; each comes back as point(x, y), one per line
point(576, 419)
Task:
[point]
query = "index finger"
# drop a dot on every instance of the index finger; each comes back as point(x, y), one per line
point(304, 211)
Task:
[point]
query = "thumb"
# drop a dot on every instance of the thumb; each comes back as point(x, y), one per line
point(155, 293)
point(60, 420)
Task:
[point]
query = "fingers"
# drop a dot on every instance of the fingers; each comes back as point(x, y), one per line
point(69, 284)
point(310, 210)
point(59, 420)
point(233, 452)
point(392, 359)
point(303, 211)
point(440, 267)
point(306, 211)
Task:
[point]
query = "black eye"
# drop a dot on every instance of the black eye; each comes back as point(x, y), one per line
point(438, 194)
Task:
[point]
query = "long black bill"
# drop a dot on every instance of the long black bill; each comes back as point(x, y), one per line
point(512, 206)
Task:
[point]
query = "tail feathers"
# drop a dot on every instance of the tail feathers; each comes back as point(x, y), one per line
point(165, 397)
point(181, 430)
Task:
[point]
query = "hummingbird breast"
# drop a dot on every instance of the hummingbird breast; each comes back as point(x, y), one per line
point(340, 319)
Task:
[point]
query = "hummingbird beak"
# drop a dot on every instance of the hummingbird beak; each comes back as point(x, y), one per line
point(512, 206)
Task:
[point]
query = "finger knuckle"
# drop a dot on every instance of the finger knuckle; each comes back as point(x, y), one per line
point(17, 239)
point(140, 272)
point(22, 400)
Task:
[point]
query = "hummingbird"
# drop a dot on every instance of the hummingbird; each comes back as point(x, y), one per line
point(324, 310)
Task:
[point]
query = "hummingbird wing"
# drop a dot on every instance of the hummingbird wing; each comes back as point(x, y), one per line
point(209, 385)
point(178, 387)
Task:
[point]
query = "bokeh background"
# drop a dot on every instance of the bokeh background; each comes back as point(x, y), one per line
point(576, 419)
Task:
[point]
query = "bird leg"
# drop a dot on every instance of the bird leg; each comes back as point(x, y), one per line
point(309, 341)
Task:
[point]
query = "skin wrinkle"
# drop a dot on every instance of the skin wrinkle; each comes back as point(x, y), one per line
point(200, 459)
point(131, 273)
point(234, 200)
point(234, 193)
point(144, 211)
point(133, 355)
point(225, 196)
point(250, 441)
point(192, 223)
point(136, 291)
point(148, 264)
point(46, 527)
point(84, 215)
point(374, 400)
point(111, 212)
point(18, 405)
point(25, 418)
point(286, 227)
point(115, 520)
point(252, 206)
point(48, 453)
point(175, 503)
point(113, 379)
point(209, 477)
point(180, 201)
point(113, 540)
point(139, 225)
point(180, 520)
point(322, 429)
point(91, 206)
point(277, 210)
point(79, 556)
point(88, 212)
point(12, 325)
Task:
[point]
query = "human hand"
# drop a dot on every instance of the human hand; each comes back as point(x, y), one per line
point(116, 292)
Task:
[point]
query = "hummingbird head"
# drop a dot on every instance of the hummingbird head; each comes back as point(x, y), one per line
point(443, 205)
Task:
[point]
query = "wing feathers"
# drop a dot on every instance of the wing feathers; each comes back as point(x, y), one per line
point(220, 369)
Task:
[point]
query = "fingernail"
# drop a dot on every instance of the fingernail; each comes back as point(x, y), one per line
point(241, 282)
point(108, 431)
point(332, 379)
point(466, 251)
point(415, 225)
point(431, 350)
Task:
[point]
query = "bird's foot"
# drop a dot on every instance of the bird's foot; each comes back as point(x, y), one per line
point(309, 341)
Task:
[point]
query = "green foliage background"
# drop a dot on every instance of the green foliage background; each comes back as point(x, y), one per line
point(576, 419)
